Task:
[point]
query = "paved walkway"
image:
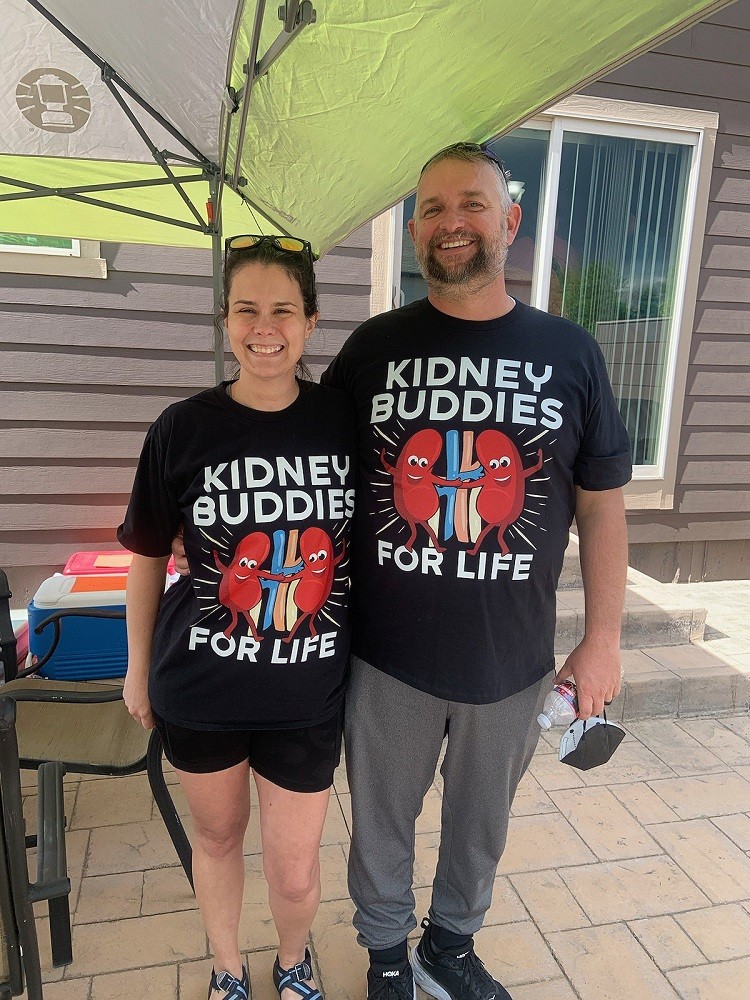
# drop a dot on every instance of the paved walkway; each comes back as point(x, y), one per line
point(628, 881)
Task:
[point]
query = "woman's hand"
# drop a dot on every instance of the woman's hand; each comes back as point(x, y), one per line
point(135, 695)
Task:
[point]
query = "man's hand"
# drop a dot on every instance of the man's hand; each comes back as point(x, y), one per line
point(178, 551)
point(135, 696)
point(595, 667)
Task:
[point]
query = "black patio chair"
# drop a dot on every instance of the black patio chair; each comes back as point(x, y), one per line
point(85, 725)
point(17, 894)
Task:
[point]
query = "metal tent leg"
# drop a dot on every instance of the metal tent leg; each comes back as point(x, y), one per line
point(166, 806)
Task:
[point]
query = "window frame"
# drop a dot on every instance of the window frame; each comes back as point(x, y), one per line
point(88, 263)
point(653, 486)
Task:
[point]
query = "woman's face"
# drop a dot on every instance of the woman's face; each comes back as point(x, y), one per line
point(266, 322)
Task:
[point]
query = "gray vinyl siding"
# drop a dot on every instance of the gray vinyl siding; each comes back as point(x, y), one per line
point(86, 365)
point(707, 535)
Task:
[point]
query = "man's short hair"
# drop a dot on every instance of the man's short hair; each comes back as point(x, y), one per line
point(473, 152)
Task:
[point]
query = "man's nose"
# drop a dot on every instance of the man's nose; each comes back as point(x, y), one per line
point(453, 219)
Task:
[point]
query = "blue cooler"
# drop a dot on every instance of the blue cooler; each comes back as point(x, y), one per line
point(89, 648)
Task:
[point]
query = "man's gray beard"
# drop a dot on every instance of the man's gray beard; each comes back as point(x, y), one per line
point(478, 266)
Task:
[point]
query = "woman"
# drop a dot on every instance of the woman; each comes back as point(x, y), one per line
point(241, 666)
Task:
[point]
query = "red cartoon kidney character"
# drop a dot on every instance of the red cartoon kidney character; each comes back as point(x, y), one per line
point(503, 485)
point(315, 579)
point(239, 588)
point(414, 483)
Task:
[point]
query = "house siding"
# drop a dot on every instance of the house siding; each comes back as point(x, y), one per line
point(86, 365)
point(707, 534)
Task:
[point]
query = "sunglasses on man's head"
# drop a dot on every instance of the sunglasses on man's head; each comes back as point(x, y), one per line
point(470, 147)
point(289, 244)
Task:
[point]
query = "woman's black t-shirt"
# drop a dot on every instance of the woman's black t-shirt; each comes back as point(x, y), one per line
point(258, 636)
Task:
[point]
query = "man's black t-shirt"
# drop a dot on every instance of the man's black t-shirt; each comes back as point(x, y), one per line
point(257, 637)
point(472, 436)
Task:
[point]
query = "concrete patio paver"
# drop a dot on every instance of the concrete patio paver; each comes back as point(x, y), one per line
point(631, 880)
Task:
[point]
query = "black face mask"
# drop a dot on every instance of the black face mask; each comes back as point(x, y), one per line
point(591, 743)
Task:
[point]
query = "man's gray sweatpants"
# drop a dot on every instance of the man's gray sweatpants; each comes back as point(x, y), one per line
point(394, 735)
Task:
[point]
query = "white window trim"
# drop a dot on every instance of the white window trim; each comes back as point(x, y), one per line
point(652, 487)
point(49, 261)
point(73, 251)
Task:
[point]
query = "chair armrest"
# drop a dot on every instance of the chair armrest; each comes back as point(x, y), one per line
point(17, 691)
point(51, 861)
point(7, 635)
point(54, 620)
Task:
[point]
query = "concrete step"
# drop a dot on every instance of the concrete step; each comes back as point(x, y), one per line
point(677, 682)
point(657, 615)
point(668, 670)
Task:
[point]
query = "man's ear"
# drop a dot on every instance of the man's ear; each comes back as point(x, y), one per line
point(410, 224)
point(514, 222)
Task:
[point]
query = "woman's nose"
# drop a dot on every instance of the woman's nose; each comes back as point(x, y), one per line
point(263, 325)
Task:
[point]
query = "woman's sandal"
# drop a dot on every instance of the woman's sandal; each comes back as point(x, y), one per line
point(294, 979)
point(235, 989)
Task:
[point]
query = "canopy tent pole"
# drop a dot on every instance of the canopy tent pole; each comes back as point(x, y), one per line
point(296, 17)
point(214, 184)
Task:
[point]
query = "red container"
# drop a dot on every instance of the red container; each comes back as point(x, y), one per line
point(102, 561)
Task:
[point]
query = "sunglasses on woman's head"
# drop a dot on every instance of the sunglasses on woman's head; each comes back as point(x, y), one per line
point(289, 244)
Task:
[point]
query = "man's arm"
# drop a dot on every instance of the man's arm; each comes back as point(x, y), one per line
point(595, 663)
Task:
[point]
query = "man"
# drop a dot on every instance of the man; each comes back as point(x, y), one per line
point(484, 427)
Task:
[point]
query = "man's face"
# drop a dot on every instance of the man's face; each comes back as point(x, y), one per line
point(462, 227)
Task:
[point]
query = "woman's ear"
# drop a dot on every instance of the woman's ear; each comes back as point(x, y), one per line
point(312, 322)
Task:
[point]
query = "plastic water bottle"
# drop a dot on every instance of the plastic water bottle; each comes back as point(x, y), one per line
point(560, 706)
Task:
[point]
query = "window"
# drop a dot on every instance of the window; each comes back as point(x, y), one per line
point(51, 255)
point(609, 208)
point(11, 243)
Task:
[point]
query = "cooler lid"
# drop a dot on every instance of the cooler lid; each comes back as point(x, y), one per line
point(81, 592)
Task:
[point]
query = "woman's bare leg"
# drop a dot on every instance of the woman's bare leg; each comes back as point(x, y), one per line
point(291, 825)
point(220, 808)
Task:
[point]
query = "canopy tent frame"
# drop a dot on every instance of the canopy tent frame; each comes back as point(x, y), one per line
point(291, 150)
point(295, 16)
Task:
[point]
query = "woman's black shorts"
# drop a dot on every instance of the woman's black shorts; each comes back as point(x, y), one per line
point(300, 760)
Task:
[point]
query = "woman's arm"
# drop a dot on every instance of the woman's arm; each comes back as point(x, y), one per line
point(144, 592)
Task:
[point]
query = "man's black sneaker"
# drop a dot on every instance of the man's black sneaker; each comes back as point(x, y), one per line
point(449, 976)
point(390, 982)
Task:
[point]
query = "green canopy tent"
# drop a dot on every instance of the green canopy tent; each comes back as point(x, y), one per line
point(171, 121)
